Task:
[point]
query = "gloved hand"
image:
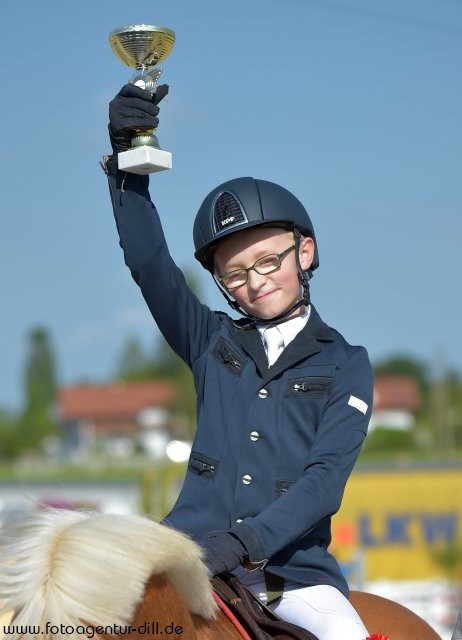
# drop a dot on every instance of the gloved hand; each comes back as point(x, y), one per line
point(223, 551)
point(133, 108)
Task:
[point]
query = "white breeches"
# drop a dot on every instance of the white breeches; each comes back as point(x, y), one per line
point(321, 609)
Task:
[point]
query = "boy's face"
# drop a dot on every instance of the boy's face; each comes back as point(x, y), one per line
point(264, 296)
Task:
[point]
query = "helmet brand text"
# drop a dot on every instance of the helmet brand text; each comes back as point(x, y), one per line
point(227, 221)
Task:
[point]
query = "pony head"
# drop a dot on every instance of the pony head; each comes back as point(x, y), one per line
point(75, 568)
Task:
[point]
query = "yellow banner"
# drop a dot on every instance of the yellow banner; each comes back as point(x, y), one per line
point(402, 524)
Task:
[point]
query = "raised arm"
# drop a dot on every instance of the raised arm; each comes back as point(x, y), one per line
point(183, 320)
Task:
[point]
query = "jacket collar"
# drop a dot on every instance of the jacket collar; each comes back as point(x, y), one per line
point(305, 344)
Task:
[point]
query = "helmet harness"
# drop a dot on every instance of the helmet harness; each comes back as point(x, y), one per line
point(304, 300)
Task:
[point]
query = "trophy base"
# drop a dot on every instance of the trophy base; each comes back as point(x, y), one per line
point(143, 160)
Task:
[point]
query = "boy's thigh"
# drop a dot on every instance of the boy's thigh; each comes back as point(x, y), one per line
point(321, 609)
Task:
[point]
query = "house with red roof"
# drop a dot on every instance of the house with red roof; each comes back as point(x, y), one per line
point(117, 419)
point(397, 400)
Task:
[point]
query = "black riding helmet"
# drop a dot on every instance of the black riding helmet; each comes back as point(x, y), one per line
point(245, 203)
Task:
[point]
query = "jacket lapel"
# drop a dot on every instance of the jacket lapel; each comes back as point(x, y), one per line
point(304, 345)
point(250, 341)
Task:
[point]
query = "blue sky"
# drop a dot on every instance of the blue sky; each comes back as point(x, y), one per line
point(354, 105)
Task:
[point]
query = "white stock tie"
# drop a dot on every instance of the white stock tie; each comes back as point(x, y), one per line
point(274, 344)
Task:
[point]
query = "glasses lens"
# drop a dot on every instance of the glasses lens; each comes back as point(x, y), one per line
point(234, 279)
point(267, 264)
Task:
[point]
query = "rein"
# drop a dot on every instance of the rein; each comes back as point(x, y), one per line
point(230, 615)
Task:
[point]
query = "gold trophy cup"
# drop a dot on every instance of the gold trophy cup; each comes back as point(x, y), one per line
point(143, 47)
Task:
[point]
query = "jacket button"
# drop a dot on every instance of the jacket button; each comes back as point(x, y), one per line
point(246, 479)
point(238, 521)
point(254, 436)
point(263, 393)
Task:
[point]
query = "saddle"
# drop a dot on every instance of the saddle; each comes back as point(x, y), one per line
point(255, 620)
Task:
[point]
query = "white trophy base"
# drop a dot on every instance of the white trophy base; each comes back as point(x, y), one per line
point(143, 160)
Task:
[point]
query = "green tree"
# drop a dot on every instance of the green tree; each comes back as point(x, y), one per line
point(37, 420)
point(40, 374)
point(134, 363)
point(455, 415)
point(8, 444)
point(445, 412)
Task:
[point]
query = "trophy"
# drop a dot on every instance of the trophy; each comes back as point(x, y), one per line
point(143, 47)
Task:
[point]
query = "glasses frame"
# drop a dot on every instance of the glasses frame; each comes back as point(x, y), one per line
point(245, 270)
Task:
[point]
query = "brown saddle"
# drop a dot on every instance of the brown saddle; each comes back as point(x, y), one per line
point(258, 620)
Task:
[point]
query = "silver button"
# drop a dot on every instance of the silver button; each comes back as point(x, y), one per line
point(246, 479)
point(263, 393)
point(238, 521)
point(254, 436)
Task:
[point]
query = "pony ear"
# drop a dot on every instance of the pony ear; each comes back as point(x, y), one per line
point(74, 568)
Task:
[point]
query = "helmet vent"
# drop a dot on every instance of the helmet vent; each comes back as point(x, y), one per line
point(227, 212)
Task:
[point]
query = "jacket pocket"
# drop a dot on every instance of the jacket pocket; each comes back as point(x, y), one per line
point(282, 486)
point(228, 357)
point(203, 465)
point(309, 387)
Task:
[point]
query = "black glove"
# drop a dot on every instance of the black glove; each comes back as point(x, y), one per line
point(223, 551)
point(133, 108)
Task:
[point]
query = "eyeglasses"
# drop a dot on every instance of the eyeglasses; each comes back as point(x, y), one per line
point(262, 266)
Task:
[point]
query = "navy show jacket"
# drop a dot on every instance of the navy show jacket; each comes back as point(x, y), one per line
point(274, 446)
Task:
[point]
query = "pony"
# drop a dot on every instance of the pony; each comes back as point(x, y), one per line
point(75, 574)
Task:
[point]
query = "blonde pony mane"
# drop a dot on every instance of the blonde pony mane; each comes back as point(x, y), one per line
point(74, 568)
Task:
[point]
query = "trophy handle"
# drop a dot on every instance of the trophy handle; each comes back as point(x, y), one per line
point(146, 79)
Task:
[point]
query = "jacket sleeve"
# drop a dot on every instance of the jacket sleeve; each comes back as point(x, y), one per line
point(185, 323)
point(318, 493)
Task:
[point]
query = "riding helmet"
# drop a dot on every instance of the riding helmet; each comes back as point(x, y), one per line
point(244, 203)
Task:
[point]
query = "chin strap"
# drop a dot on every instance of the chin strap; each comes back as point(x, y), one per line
point(304, 278)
